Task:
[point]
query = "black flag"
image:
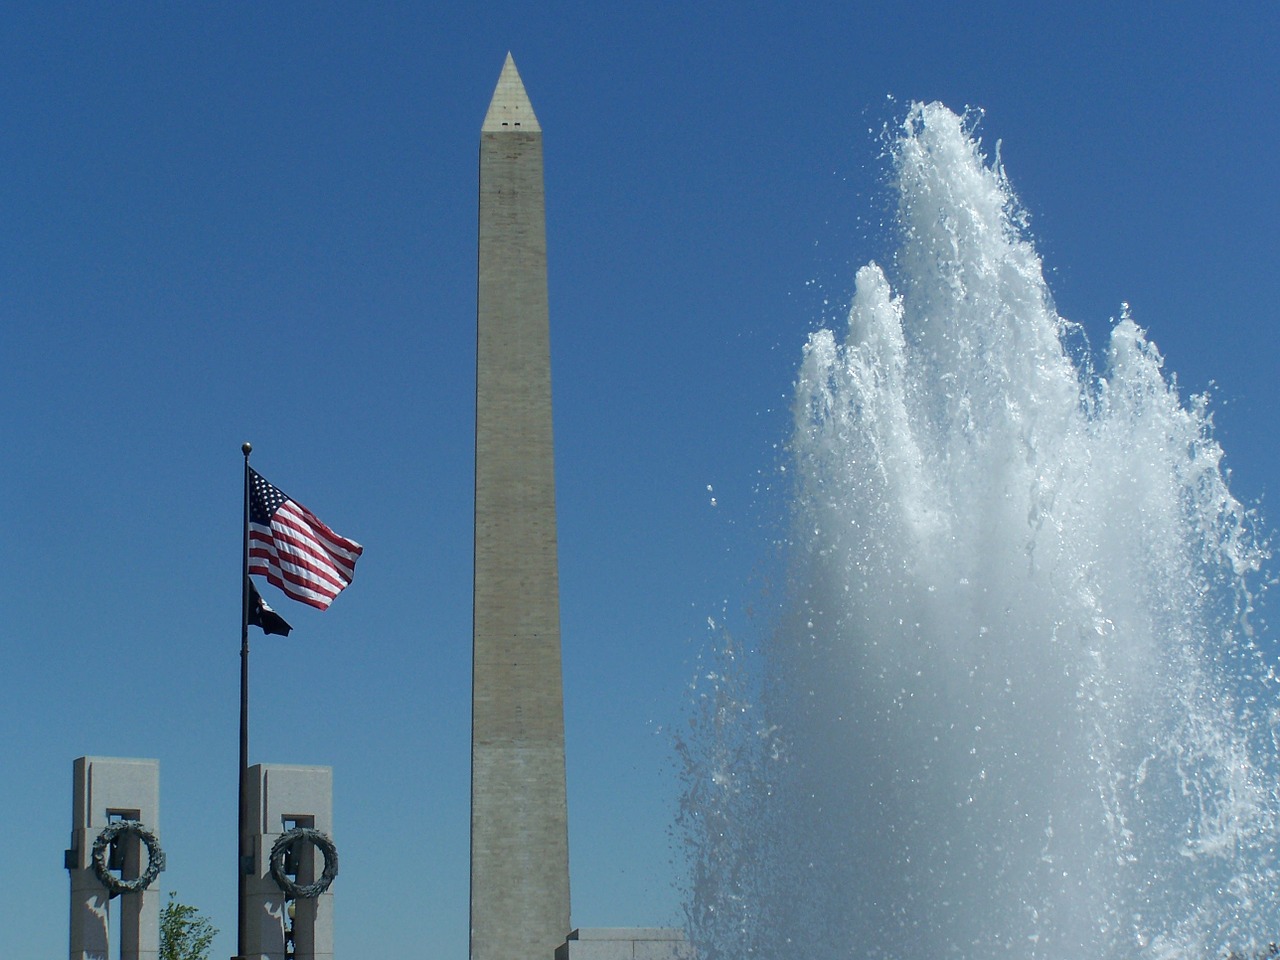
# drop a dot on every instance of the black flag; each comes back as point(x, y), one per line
point(261, 615)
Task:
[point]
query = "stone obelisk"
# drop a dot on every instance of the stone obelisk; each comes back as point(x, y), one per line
point(519, 821)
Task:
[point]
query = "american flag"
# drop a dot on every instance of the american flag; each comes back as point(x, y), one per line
point(293, 549)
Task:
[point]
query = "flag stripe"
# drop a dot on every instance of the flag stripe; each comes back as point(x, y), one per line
point(284, 545)
point(301, 564)
point(302, 519)
point(316, 537)
point(293, 578)
point(266, 562)
point(303, 579)
point(320, 601)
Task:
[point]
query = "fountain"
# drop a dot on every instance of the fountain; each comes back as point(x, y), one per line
point(1012, 704)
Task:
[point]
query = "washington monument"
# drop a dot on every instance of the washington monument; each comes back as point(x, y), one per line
point(519, 822)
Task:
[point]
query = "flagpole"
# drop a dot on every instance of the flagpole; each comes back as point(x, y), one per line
point(244, 854)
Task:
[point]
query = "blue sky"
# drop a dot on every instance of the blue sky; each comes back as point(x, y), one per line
point(257, 222)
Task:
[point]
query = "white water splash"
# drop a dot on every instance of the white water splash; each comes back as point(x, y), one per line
point(1012, 706)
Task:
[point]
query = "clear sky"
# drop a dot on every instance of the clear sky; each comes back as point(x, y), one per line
point(258, 222)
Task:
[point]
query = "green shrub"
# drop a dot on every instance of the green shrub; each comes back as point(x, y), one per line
point(185, 933)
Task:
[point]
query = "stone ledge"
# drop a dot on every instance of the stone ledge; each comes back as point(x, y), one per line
point(625, 943)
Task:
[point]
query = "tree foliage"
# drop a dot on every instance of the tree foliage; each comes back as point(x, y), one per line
point(185, 933)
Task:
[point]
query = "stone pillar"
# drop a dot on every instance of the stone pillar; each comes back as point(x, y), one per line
point(283, 797)
point(519, 819)
point(104, 790)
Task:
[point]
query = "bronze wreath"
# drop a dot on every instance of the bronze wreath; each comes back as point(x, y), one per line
point(321, 842)
point(155, 857)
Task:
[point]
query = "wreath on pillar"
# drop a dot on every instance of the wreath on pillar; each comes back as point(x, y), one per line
point(280, 849)
point(155, 857)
